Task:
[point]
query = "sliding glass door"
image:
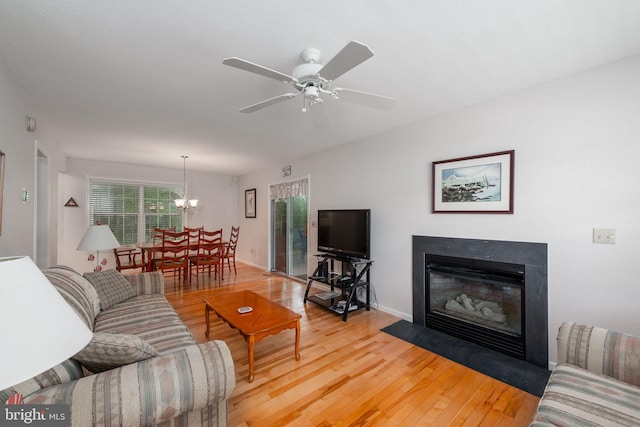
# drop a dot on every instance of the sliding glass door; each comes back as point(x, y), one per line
point(289, 229)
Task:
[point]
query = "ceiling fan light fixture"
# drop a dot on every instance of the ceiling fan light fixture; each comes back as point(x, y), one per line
point(311, 92)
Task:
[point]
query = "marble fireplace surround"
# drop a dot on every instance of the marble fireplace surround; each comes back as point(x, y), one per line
point(533, 256)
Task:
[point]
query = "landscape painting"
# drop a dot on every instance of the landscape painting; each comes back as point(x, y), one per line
point(476, 184)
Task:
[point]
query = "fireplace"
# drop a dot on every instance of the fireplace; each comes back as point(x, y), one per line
point(492, 293)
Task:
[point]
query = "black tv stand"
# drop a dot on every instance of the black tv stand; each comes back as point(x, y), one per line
point(342, 298)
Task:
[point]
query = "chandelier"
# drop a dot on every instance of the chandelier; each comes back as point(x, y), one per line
point(185, 203)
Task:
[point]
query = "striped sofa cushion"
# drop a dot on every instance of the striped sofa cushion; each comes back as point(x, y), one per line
point(577, 397)
point(601, 351)
point(77, 291)
point(111, 287)
point(149, 317)
point(147, 283)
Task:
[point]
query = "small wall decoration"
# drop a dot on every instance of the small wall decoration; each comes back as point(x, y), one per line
point(250, 203)
point(475, 184)
point(71, 203)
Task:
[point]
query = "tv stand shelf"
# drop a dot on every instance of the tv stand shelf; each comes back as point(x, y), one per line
point(342, 298)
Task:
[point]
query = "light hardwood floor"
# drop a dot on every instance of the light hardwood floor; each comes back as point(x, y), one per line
point(349, 374)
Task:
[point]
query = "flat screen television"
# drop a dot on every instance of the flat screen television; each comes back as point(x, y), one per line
point(345, 232)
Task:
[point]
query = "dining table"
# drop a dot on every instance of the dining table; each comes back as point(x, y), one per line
point(149, 249)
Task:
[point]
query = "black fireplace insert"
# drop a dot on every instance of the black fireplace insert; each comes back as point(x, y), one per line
point(492, 293)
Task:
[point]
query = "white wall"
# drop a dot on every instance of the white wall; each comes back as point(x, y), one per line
point(19, 146)
point(577, 144)
point(217, 196)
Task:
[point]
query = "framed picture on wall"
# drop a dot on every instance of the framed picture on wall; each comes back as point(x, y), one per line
point(250, 203)
point(475, 184)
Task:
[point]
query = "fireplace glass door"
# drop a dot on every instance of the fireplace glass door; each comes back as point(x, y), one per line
point(482, 305)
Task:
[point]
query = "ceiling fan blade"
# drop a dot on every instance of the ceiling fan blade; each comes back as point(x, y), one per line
point(267, 102)
point(365, 98)
point(319, 115)
point(259, 69)
point(353, 54)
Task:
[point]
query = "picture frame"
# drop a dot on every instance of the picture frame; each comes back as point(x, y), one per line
point(250, 203)
point(1, 186)
point(474, 184)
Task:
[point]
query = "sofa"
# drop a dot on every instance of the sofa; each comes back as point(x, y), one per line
point(596, 381)
point(142, 367)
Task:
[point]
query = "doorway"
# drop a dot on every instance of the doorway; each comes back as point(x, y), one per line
point(289, 215)
point(41, 206)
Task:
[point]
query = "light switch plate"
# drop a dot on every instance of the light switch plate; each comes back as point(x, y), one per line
point(604, 235)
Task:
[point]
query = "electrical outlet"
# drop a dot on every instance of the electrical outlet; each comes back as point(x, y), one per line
point(604, 235)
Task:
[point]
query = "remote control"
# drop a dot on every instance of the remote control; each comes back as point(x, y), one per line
point(243, 310)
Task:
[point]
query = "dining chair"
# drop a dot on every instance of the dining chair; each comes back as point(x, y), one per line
point(156, 234)
point(210, 253)
point(129, 258)
point(230, 251)
point(174, 254)
point(194, 234)
point(156, 239)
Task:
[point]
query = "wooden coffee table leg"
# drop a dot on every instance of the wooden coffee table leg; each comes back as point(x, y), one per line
point(298, 339)
point(207, 311)
point(251, 341)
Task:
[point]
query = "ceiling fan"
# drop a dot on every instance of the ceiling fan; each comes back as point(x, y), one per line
point(312, 80)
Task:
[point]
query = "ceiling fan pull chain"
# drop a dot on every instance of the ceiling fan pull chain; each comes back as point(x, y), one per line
point(304, 107)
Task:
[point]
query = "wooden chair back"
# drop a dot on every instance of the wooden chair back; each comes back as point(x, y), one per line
point(156, 236)
point(210, 243)
point(230, 253)
point(194, 233)
point(174, 254)
point(210, 252)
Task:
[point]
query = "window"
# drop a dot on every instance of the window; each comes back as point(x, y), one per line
point(133, 209)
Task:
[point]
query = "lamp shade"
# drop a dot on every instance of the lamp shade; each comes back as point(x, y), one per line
point(39, 329)
point(98, 238)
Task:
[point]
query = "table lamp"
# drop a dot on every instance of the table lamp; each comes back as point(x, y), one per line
point(39, 328)
point(97, 238)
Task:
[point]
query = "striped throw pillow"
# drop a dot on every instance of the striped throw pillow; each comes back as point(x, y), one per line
point(108, 351)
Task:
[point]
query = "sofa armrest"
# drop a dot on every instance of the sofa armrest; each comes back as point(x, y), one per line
point(147, 283)
point(148, 392)
point(600, 351)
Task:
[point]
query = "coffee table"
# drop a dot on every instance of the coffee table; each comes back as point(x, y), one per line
point(267, 318)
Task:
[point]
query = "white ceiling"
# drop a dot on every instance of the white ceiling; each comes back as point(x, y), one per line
point(142, 81)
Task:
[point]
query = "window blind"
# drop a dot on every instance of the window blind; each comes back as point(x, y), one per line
point(133, 209)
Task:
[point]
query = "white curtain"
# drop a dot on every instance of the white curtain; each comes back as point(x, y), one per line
point(285, 190)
